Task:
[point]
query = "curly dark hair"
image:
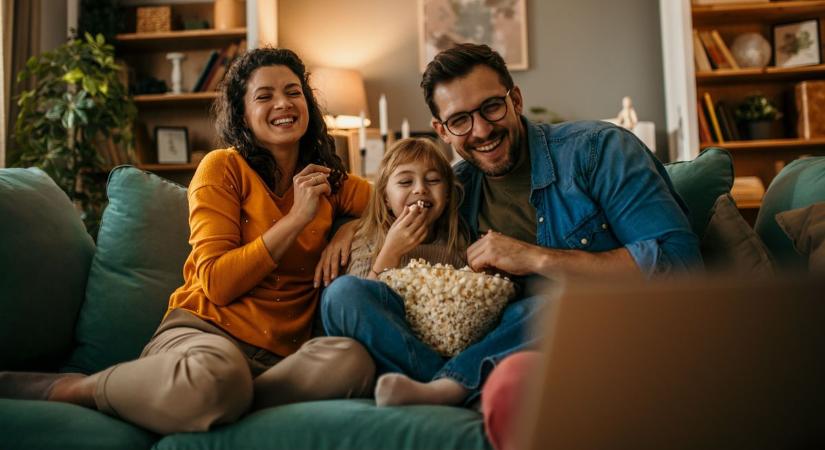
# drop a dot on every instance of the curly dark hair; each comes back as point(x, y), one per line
point(457, 62)
point(316, 145)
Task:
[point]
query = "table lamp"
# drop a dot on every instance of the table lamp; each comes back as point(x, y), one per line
point(342, 96)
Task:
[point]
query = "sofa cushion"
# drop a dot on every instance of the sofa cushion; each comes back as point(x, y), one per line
point(342, 424)
point(800, 184)
point(805, 227)
point(27, 424)
point(45, 254)
point(731, 244)
point(141, 247)
point(700, 182)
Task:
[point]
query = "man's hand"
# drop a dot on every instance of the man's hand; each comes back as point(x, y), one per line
point(497, 251)
point(335, 255)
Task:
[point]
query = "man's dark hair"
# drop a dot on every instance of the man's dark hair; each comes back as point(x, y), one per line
point(457, 62)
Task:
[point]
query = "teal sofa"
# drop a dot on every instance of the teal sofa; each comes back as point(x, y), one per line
point(69, 304)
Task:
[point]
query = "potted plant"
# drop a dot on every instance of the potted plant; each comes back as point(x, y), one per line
point(756, 113)
point(78, 104)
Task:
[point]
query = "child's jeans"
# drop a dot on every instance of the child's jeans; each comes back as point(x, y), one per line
point(373, 314)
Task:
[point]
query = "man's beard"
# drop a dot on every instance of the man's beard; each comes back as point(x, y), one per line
point(502, 168)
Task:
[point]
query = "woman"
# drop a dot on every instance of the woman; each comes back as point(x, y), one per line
point(237, 334)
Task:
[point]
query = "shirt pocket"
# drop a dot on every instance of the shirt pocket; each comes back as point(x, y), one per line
point(592, 233)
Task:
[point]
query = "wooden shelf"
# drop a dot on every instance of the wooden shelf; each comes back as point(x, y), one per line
point(761, 74)
point(748, 204)
point(767, 144)
point(168, 167)
point(190, 97)
point(181, 40)
point(756, 12)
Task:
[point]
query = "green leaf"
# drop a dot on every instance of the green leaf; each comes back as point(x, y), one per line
point(73, 75)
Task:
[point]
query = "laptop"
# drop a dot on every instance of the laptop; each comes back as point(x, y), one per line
point(689, 364)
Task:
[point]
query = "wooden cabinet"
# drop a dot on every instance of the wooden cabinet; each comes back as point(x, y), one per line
point(145, 56)
point(686, 86)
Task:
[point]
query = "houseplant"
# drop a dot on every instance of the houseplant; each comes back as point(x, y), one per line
point(756, 113)
point(77, 104)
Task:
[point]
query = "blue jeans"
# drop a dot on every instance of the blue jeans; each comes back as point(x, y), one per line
point(373, 314)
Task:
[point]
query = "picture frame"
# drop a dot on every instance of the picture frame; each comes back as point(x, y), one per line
point(502, 25)
point(346, 146)
point(172, 145)
point(797, 44)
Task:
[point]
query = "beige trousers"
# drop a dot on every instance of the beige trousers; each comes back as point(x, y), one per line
point(193, 375)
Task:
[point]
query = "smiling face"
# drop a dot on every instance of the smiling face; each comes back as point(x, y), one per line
point(491, 146)
point(275, 108)
point(414, 182)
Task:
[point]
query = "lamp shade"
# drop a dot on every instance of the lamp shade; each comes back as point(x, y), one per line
point(341, 94)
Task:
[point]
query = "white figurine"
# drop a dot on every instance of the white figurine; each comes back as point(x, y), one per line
point(176, 59)
point(627, 116)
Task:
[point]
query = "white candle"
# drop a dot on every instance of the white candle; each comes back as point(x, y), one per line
point(382, 114)
point(405, 129)
point(362, 133)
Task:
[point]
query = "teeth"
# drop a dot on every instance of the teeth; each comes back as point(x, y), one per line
point(423, 204)
point(283, 121)
point(488, 147)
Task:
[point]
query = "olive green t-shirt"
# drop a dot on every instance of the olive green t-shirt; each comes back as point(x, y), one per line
point(505, 202)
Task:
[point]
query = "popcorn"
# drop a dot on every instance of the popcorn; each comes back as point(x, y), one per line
point(448, 308)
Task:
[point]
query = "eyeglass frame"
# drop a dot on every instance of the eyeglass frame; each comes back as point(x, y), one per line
point(471, 114)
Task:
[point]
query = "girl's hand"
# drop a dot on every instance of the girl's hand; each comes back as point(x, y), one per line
point(407, 232)
point(308, 187)
point(336, 254)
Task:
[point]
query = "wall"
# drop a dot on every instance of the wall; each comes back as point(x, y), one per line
point(53, 31)
point(585, 55)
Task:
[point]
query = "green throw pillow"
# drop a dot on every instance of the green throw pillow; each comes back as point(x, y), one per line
point(141, 247)
point(45, 254)
point(700, 182)
point(800, 184)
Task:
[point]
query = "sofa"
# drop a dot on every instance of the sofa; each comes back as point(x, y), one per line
point(73, 305)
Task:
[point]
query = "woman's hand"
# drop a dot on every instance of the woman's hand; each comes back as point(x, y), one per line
point(308, 186)
point(336, 254)
point(407, 232)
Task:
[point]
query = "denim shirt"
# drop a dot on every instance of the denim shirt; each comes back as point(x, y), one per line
point(596, 187)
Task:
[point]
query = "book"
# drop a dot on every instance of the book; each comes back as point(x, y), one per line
point(723, 122)
point(713, 120)
point(735, 135)
point(213, 57)
point(227, 55)
point(700, 57)
point(720, 43)
point(716, 58)
point(704, 128)
point(810, 109)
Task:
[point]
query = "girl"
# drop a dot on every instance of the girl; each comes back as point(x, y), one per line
point(238, 332)
point(413, 213)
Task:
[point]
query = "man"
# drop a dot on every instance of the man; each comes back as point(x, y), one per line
point(580, 198)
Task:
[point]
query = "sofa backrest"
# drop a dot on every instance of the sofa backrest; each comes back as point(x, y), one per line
point(141, 247)
point(45, 254)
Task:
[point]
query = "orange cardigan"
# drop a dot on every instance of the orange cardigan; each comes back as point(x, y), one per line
point(230, 277)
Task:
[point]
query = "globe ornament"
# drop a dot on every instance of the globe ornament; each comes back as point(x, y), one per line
point(751, 50)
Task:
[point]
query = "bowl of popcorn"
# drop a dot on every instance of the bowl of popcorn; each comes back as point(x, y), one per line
point(449, 308)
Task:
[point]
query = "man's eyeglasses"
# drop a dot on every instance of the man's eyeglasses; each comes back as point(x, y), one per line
point(492, 110)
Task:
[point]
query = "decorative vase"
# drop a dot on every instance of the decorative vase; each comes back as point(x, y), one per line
point(230, 14)
point(760, 129)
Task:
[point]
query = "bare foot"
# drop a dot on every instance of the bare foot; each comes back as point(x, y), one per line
point(393, 389)
point(75, 388)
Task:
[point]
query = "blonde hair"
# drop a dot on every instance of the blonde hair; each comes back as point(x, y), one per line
point(377, 219)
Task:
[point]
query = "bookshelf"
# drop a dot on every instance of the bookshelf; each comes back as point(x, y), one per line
point(144, 54)
point(686, 85)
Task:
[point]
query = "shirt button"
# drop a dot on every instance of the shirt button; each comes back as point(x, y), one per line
point(584, 241)
point(604, 226)
point(541, 219)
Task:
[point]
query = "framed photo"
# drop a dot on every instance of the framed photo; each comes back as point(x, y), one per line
point(172, 144)
point(500, 24)
point(346, 146)
point(796, 44)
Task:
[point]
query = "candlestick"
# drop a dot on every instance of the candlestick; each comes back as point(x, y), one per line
point(362, 144)
point(382, 114)
point(405, 129)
